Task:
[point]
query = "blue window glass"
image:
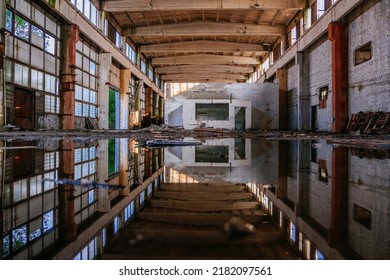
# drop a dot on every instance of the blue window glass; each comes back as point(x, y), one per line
point(8, 20)
point(6, 246)
point(19, 237)
point(48, 221)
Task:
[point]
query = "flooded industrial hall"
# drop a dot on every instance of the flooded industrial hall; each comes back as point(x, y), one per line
point(230, 198)
point(194, 130)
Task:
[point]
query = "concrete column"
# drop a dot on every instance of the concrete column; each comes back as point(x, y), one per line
point(124, 166)
point(284, 43)
point(103, 89)
point(125, 75)
point(67, 228)
point(160, 110)
point(2, 163)
point(70, 36)
point(303, 177)
point(281, 75)
point(281, 191)
point(303, 91)
point(338, 35)
point(148, 107)
point(338, 230)
point(2, 88)
point(103, 204)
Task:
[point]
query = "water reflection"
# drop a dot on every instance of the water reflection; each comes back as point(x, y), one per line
point(327, 201)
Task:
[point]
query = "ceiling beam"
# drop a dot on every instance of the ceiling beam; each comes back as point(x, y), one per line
point(204, 28)
point(203, 46)
point(199, 80)
point(186, 5)
point(203, 68)
point(209, 76)
point(204, 59)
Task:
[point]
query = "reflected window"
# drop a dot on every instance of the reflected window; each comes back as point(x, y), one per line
point(293, 232)
point(19, 237)
point(48, 221)
point(319, 255)
point(35, 234)
point(91, 196)
point(113, 157)
point(116, 224)
point(6, 245)
point(362, 216)
point(141, 198)
point(322, 171)
point(323, 97)
point(218, 154)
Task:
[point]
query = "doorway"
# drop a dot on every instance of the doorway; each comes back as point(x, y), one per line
point(113, 111)
point(24, 107)
point(239, 120)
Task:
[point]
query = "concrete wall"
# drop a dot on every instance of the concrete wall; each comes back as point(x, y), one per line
point(259, 166)
point(370, 189)
point(292, 97)
point(320, 75)
point(261, 101)
point(369, 81)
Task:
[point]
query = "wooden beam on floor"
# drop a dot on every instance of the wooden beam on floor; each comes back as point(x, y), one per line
point(204, 206)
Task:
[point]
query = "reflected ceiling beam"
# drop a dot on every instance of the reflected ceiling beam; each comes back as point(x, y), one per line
point(203, 80)
point(204, 59)
point(210, 76)
point(203, 46)
point(196, 5)
point(204, 28)
point(203, 68)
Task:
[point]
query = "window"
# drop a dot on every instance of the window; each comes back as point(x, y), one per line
point(323, 97)
point(113, 157)
point(211, 112)
point(131, 53)
point(320, 8)
point(362, 216)
point(19, 237)
point(22, 28)
point(363, 54)
point(293, 35)
point(293, 232)
point(143, 66)
point(322, 171)
point(212, 154)
point(319, 255)
point(48, 221)
point(8, 20)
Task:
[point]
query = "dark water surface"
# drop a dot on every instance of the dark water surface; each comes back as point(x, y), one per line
point(115, 199)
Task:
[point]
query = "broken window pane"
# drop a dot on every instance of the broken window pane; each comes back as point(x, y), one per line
point(48, 221)
point(19, 237)
point(50, 44)
point(22, 28)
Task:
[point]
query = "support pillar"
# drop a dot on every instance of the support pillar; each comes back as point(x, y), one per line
point(281, 75)
point(68, 79)
point(2, 165)
point(338, 230)
point(338, 35)
point(303, 92)
point(284, 43)
point(67, 228)
point(103, 89)
point(160, 110)
point(124, 166)
point(281, 191)
point(2, 88)
point(124, 98)
point(303, 177)
point(148, 107)
point(103, 204)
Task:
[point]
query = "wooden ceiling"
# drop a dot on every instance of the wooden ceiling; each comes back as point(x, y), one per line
point(203, 40)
